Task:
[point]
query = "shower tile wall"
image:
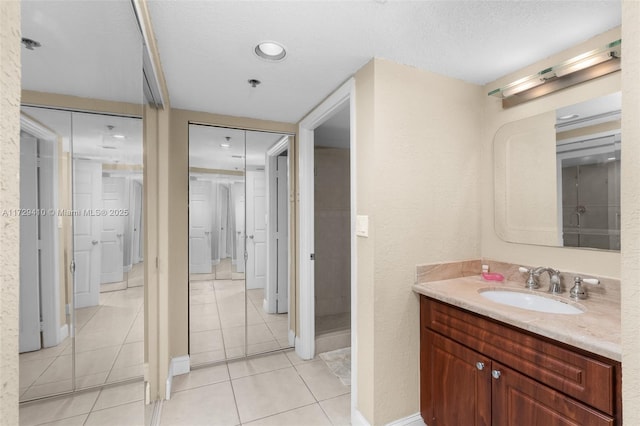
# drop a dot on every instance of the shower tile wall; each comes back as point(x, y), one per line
point(332, 236)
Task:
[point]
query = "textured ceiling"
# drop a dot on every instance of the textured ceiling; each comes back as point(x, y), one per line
point(206, 47)
point(90, 48)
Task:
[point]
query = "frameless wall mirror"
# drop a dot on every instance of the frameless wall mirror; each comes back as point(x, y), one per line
point(238, 243)
point(81, 280)
point(557, 177)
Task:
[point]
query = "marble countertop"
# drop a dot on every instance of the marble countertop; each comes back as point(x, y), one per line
point(597, 330)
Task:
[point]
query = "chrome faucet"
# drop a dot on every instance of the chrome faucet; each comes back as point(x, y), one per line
point(534, 273)
point(554, 278)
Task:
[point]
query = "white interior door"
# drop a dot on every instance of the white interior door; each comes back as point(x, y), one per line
point(29, 275)
point(87, 197)
point(256, 230)
point(112, 234)
point(200, 218)
point(283, 235)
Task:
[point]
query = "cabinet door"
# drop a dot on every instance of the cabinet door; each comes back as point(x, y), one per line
point(455, 383)
point(521, 401)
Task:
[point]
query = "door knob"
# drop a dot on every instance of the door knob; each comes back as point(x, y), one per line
point(251, 236)
point(480, 365)
point(496, 374)
point(94, 242)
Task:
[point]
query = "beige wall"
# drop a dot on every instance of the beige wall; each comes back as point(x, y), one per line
point(585, 261)
point(332, 225)
point(9, 199)
point(417, 166)
point(176, 172)
point(630, 213)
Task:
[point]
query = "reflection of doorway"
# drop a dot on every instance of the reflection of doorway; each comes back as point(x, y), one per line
point(42, 313)
point(276, 294)
point(200, 223)
point(87, 188)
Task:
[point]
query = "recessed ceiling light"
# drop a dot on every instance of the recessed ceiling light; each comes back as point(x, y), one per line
point(568, 117)
point(270, 50)
point(119, 136)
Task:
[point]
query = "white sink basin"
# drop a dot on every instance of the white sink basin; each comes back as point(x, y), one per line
point(530, 301)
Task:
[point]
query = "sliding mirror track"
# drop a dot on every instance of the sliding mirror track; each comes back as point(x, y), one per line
point(238, 243)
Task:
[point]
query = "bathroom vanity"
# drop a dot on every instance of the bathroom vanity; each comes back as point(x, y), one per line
point(484, 363)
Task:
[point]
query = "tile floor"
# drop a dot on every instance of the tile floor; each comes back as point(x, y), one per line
point(274, 389)
point(217, 320)
point(109, 348)
point(120, 405)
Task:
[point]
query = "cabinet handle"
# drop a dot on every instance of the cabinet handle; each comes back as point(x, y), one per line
point(480, 365)
point(496, 374)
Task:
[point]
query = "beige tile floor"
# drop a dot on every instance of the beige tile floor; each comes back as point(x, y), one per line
point(120, 405)
point(109, 348)
point(217, 321)
point(273, 389)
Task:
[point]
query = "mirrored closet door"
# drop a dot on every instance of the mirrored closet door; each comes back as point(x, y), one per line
point(81, 262)
point(238, 243)
point(81, 186)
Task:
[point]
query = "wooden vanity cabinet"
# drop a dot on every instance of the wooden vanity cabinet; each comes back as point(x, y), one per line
point(479, 372)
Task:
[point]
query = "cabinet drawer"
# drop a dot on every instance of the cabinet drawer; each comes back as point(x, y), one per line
point(587, 379)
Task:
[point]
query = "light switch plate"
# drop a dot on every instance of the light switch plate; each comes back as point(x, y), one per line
point(362, 226)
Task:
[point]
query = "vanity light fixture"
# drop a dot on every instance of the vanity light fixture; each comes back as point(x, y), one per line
point(270, 50)
point(225, 145)
point(119, 136)
point(584, 67)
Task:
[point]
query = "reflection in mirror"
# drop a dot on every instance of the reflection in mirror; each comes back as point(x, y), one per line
point(588, 160)
point(46, 289)
point(229, 315)
point(101, 205)
point(557, 177)
point(90, 54)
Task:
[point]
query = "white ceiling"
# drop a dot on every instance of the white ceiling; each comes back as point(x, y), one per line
point(92, 48)
point(207, 54)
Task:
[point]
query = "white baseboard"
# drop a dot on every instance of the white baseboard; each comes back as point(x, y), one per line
point(64, 333)
point(178, 365)
point(357, 419)
point(413, 420)
point(181, 365)
point(292, 338)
